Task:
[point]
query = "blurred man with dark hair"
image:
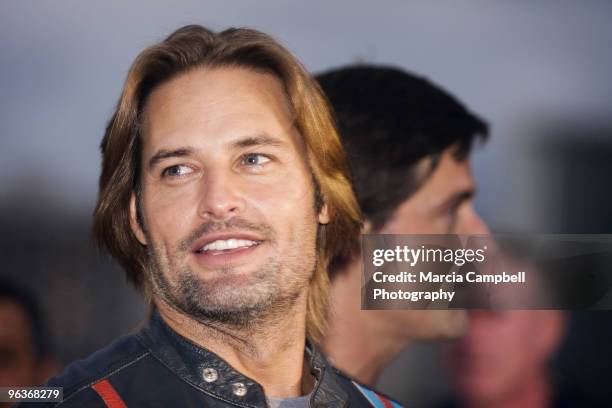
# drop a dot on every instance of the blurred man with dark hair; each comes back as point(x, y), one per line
point(25, 351)
point(408, 144)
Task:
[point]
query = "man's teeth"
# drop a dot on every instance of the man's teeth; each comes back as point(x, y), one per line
point(222, 244)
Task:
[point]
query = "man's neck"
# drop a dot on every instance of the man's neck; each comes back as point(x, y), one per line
point(271, 353)
point(370, 345)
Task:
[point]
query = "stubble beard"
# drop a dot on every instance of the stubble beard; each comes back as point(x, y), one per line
point(271, 293)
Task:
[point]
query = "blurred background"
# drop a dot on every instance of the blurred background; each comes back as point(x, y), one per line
point(538, 72)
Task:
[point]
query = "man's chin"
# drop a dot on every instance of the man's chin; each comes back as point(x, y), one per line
point(232, 299)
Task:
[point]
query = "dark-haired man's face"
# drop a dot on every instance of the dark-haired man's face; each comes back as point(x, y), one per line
point(442, 205)
point(227, 197)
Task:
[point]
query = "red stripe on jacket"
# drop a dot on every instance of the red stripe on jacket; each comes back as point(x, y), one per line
point(108, 394)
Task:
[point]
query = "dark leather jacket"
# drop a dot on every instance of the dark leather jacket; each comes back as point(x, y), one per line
point(157, 367)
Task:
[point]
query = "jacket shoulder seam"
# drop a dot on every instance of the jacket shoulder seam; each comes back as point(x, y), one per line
point(105, 376)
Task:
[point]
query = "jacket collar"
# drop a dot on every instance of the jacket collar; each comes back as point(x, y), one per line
point(210, 374)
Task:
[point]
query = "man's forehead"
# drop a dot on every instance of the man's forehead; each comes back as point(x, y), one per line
point(207, 89)
point(219, 105)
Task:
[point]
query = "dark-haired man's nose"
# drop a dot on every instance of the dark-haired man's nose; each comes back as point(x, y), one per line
point(221, 198)
point(472, 224)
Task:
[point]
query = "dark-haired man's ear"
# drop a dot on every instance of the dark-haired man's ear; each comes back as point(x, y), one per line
point(324, 214)
point(134, 224)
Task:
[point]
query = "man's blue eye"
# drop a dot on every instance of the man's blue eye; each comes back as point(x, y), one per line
point(255, 159)
point(176, 171)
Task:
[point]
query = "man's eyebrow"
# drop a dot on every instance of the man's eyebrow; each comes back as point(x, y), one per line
point(163, 154)
point(249, 141)
point(259, 140)
point(457, 198)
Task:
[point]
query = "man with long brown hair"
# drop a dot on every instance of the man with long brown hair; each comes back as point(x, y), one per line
point(224, 195)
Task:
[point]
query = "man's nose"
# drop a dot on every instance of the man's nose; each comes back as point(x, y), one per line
point(472, 224)
point(221, 196)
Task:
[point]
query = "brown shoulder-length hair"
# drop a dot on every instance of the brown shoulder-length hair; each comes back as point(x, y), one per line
point(192, 47)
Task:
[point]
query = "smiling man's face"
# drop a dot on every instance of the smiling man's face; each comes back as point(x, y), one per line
point(227, 199)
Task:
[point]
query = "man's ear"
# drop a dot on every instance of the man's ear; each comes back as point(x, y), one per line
point(134, 224)
point(324, 214)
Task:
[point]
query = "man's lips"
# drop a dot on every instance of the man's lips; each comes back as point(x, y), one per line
point(229, 248)
point(226, 242)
